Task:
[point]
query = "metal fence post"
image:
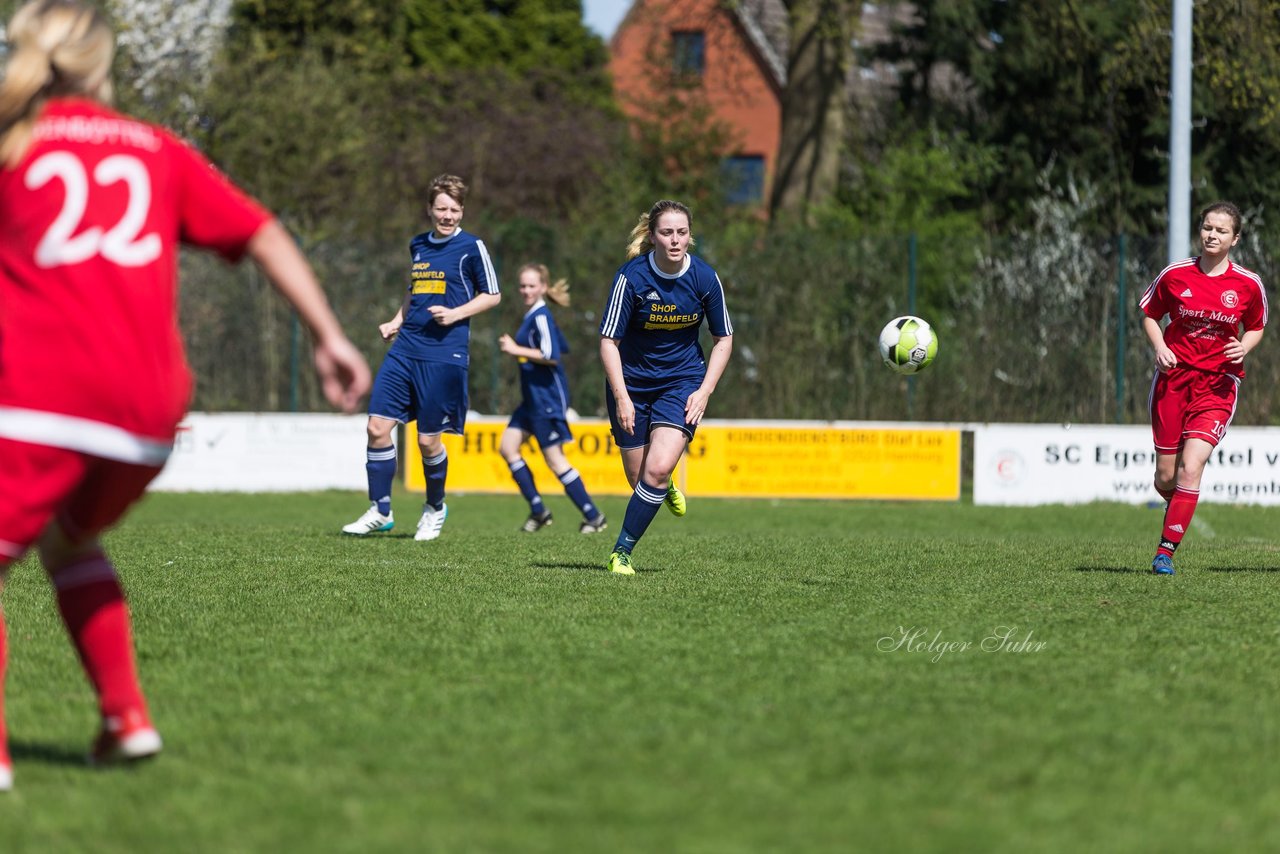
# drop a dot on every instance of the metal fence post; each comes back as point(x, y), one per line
point(912, 251)
point(295, 342)
point(1122, 312)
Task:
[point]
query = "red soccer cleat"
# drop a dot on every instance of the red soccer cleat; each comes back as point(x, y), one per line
point(126, 738)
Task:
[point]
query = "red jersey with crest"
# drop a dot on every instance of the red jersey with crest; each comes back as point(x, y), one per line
point(90, 353)
point(1205, 311)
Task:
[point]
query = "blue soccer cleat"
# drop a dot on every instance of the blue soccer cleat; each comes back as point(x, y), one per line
point(1162, 565)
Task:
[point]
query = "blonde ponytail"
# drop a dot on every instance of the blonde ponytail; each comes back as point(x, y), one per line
point(640, 242)
point(642, 233)
point(559, 293)
point(59, 47)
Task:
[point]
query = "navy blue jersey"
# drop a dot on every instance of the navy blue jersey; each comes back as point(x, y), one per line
point(656, 316)
point(448, 272)
point(544, 387)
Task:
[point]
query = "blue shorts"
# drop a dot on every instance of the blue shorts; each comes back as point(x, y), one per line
point(434, 394)
point(661, 408)
point(549, 431)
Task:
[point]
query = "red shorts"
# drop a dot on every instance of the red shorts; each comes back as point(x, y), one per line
point(1189, 404)
point(84, 494)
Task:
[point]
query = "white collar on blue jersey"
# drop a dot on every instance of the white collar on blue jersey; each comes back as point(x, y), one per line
point(684, 268)
point(431, 235)
point(537, 305)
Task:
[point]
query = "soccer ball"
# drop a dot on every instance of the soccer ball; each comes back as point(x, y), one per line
point(908, 344)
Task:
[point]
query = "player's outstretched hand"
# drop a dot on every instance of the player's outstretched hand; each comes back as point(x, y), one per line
point(344, 374)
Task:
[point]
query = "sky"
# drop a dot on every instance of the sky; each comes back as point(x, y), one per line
point(603, 16)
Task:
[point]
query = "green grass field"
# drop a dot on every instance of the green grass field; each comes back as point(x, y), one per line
point(498, 691)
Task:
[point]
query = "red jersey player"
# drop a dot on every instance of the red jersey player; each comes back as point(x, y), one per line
point(93, 377)
point(1199, 363)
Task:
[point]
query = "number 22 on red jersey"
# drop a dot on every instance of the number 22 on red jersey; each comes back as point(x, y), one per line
point(65, 241)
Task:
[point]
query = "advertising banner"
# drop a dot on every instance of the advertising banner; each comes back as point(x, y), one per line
point(778, 459)
point(1024, 464)
point(266, 452)
point(476, 466)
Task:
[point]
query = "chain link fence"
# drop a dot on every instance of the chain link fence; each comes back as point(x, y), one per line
point(1034, 327)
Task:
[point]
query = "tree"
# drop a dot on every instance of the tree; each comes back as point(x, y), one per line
point(169, 44)
point(343, 111)
point(813, 104)
point(165, 57)
point(543, 39)
point(362, 35)
point(1083, 85)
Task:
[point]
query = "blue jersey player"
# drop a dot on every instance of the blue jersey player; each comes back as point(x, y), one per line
point(659, 382)
point(424, 375)
point(539, 348)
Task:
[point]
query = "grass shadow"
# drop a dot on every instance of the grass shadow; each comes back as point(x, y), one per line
point(396, 536)
point(568, 567)
point(585, 567)
point(49, 754)
point(1122, 569)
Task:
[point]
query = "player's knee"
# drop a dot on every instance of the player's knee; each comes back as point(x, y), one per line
point(1190, 472)
point(57, 550)
point(658, 475)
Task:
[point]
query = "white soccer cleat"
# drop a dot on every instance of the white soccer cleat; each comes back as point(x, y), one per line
point(537, 522)
point(127, 738)
point(432, 522)
point(371, 522)
point(6, 778)
point(593, 526)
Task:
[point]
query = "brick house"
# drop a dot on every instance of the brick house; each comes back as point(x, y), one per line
point(731, 55)
point(737, 54)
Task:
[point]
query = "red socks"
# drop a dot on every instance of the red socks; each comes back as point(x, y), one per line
point(1177, 518)
point(4, 733)
point(97, 619)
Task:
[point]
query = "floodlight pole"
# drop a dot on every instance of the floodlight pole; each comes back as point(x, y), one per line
point(1180, 133)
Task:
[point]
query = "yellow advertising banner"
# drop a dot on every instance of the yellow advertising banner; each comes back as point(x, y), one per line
point(760, 459)
point(729, 459)
point(476, 466)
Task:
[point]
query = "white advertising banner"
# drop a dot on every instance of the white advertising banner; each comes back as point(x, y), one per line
point(266, 452)
point(1077, 463)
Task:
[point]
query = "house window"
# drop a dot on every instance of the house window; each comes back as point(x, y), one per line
point(743, 178)
point(688, 51)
